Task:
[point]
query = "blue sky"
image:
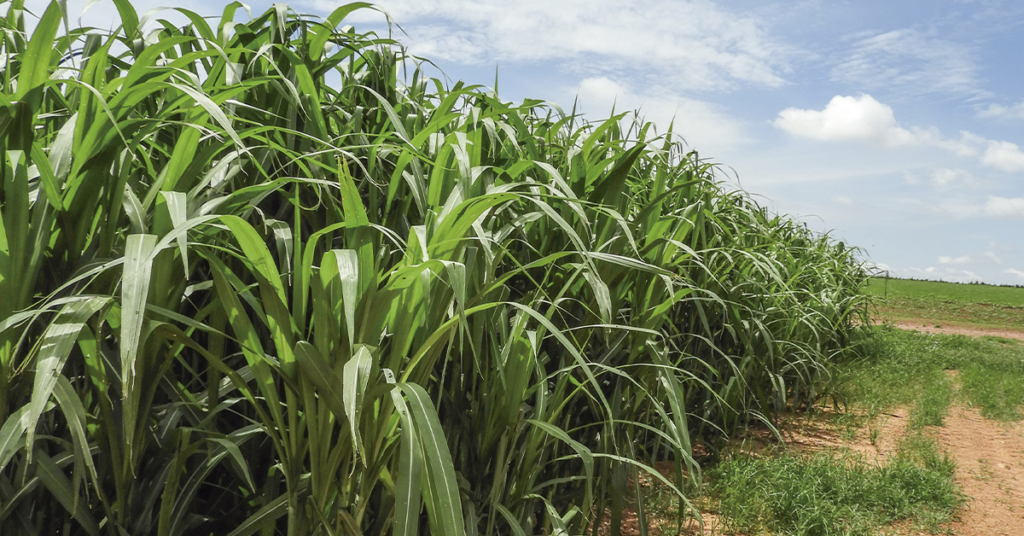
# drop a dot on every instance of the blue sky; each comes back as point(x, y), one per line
point(899, 126)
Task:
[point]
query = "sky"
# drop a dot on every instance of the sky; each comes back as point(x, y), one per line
point(897, 127)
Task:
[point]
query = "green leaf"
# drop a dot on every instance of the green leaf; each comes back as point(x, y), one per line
point(344, 264)
point(59, 485)
point(585, 454)
point(16, 220)
point(356, 377)
point(138, 267)
point(410, 467)
point(61, 152)
point(75, 415)
point(446, 507)
point(236, 454)
point(316, 44)
point(35, 63)
point(11, 433)
point(264, 517)
point(177, 207)
point(513, 523)
point(328, 383)
point(129, 18)
point(58, 340)
point(214, 110)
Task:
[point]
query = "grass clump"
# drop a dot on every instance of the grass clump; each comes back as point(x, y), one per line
point(902, 368)
point(907, 368)
point(821, 494)
point(994, 381)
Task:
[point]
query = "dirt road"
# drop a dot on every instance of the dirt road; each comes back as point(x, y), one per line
point(990, 470)
point(971, 331)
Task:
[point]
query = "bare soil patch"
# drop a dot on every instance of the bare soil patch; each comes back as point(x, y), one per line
point(876, 440)
point(990, 470)
point(929, 326)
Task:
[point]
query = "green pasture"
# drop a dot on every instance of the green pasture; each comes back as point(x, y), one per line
point(933, 303)
point(944, 291)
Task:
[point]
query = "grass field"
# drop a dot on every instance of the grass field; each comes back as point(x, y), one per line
point(905, 368)
point(951, 292)
point(940, 303)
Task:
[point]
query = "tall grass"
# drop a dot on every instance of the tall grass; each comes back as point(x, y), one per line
point(253, 281)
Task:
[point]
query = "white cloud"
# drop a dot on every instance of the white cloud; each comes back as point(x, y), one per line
point(968, 144)
point(847, 118)
point(1003, 155)
point(992, 257)
point(694, 43)
point(909, 61)
point(1005, 207)
point(602, 91)
point(1013, 111)
point(958, 260)
point(943, 177)
point(1013, 271)
point(703, 125)
point(864, 119)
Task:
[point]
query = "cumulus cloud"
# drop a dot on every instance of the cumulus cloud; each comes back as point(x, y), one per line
point(909, 61)
point(695, 43)
point(1005, 207)
point(860, 118)
point(966, 259)
point(1003, 155)
point(865, 119)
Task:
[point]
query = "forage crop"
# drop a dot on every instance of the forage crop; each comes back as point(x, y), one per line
point(255, 282)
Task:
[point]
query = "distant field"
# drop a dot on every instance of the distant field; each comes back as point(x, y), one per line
point(937, 303)
point(907, 288)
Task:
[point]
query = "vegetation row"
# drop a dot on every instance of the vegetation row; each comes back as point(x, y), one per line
point(266, 277)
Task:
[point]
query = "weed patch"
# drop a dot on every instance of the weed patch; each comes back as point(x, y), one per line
point(900, 367)
point(822, 494)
